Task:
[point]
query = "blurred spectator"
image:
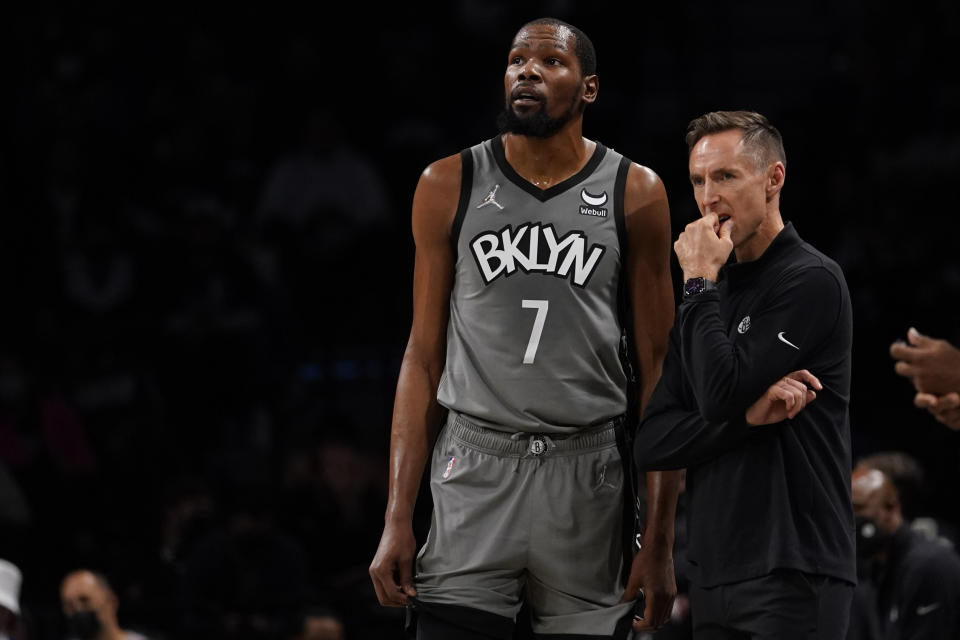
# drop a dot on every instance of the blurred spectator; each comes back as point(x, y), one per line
point(217, 360)
point(214, 285)
point(326, 191)
point(14, 392)
point(65, 433)
point(323, 211)
point(333, 488)
point(909, 480)
point(317, 623)
point(246, 576)
point(909, 582)
point(11, 623)
point(99, 273)
point(16, 529)
point(933, 366)
point(90, 606)
point(189, 510)
point(15, 511)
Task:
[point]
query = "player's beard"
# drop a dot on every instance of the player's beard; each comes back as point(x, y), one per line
point(537, 124)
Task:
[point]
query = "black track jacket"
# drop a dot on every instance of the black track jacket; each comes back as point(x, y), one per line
point(776, 496)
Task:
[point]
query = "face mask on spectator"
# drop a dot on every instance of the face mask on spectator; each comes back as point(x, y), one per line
point(84, 625)
point(870, 538)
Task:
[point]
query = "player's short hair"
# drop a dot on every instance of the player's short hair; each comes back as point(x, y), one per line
point(586, 54)
point(762, 140)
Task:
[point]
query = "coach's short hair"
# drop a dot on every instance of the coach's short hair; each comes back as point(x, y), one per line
point(762, 139)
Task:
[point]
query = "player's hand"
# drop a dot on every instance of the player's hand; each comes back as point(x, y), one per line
point(945, 409)
point(652, 571)
point(704, 246)
point(784, 399)
point(392, 566)
point(932, 364)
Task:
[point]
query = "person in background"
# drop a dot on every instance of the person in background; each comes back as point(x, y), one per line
point(90, 607)
point(317, 623)
point(11, 623)
point(933, 366)
point(910, 581)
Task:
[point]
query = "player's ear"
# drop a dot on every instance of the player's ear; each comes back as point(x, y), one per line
point(591, 86)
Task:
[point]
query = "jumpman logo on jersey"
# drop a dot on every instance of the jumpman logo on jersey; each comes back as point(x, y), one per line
point(491, 198)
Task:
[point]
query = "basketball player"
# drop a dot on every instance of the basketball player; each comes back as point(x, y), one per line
point(754, 400)
point(516, 369)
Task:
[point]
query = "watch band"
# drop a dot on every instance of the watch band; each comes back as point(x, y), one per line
point(695, 286)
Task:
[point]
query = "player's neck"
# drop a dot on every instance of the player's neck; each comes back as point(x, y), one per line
point(545, 162)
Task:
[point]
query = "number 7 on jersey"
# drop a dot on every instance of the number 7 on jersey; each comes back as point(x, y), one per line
point(541, 306)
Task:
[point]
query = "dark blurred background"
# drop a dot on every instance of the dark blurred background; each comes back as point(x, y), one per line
point(206, 258)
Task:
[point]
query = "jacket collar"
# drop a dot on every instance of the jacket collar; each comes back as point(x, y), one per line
point(782, 244)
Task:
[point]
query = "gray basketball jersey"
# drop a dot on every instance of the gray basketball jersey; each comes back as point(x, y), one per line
point(533, 341)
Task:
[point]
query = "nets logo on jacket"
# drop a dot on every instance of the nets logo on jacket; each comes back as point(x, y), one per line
point(535, 248)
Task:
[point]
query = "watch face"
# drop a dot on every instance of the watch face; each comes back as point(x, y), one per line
point(693, 286)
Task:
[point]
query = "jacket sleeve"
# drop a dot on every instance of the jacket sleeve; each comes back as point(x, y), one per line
point(672, 433)
point(788, 322)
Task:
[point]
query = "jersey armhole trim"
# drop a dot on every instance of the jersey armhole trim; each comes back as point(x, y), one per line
point(620, 189)
point(466, 187)
point(624, 310)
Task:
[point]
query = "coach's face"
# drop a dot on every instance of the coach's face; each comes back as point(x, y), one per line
point(727, 182)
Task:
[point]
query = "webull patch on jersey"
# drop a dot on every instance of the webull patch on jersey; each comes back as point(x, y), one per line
point(592, 211)
point(593, 204)
point(535, 248)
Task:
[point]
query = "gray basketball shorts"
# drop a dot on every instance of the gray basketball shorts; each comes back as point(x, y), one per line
point(527, 517)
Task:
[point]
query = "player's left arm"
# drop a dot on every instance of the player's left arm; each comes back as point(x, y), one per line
point(650, 289)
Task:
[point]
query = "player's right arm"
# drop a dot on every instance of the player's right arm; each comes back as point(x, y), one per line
point(417, 416)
